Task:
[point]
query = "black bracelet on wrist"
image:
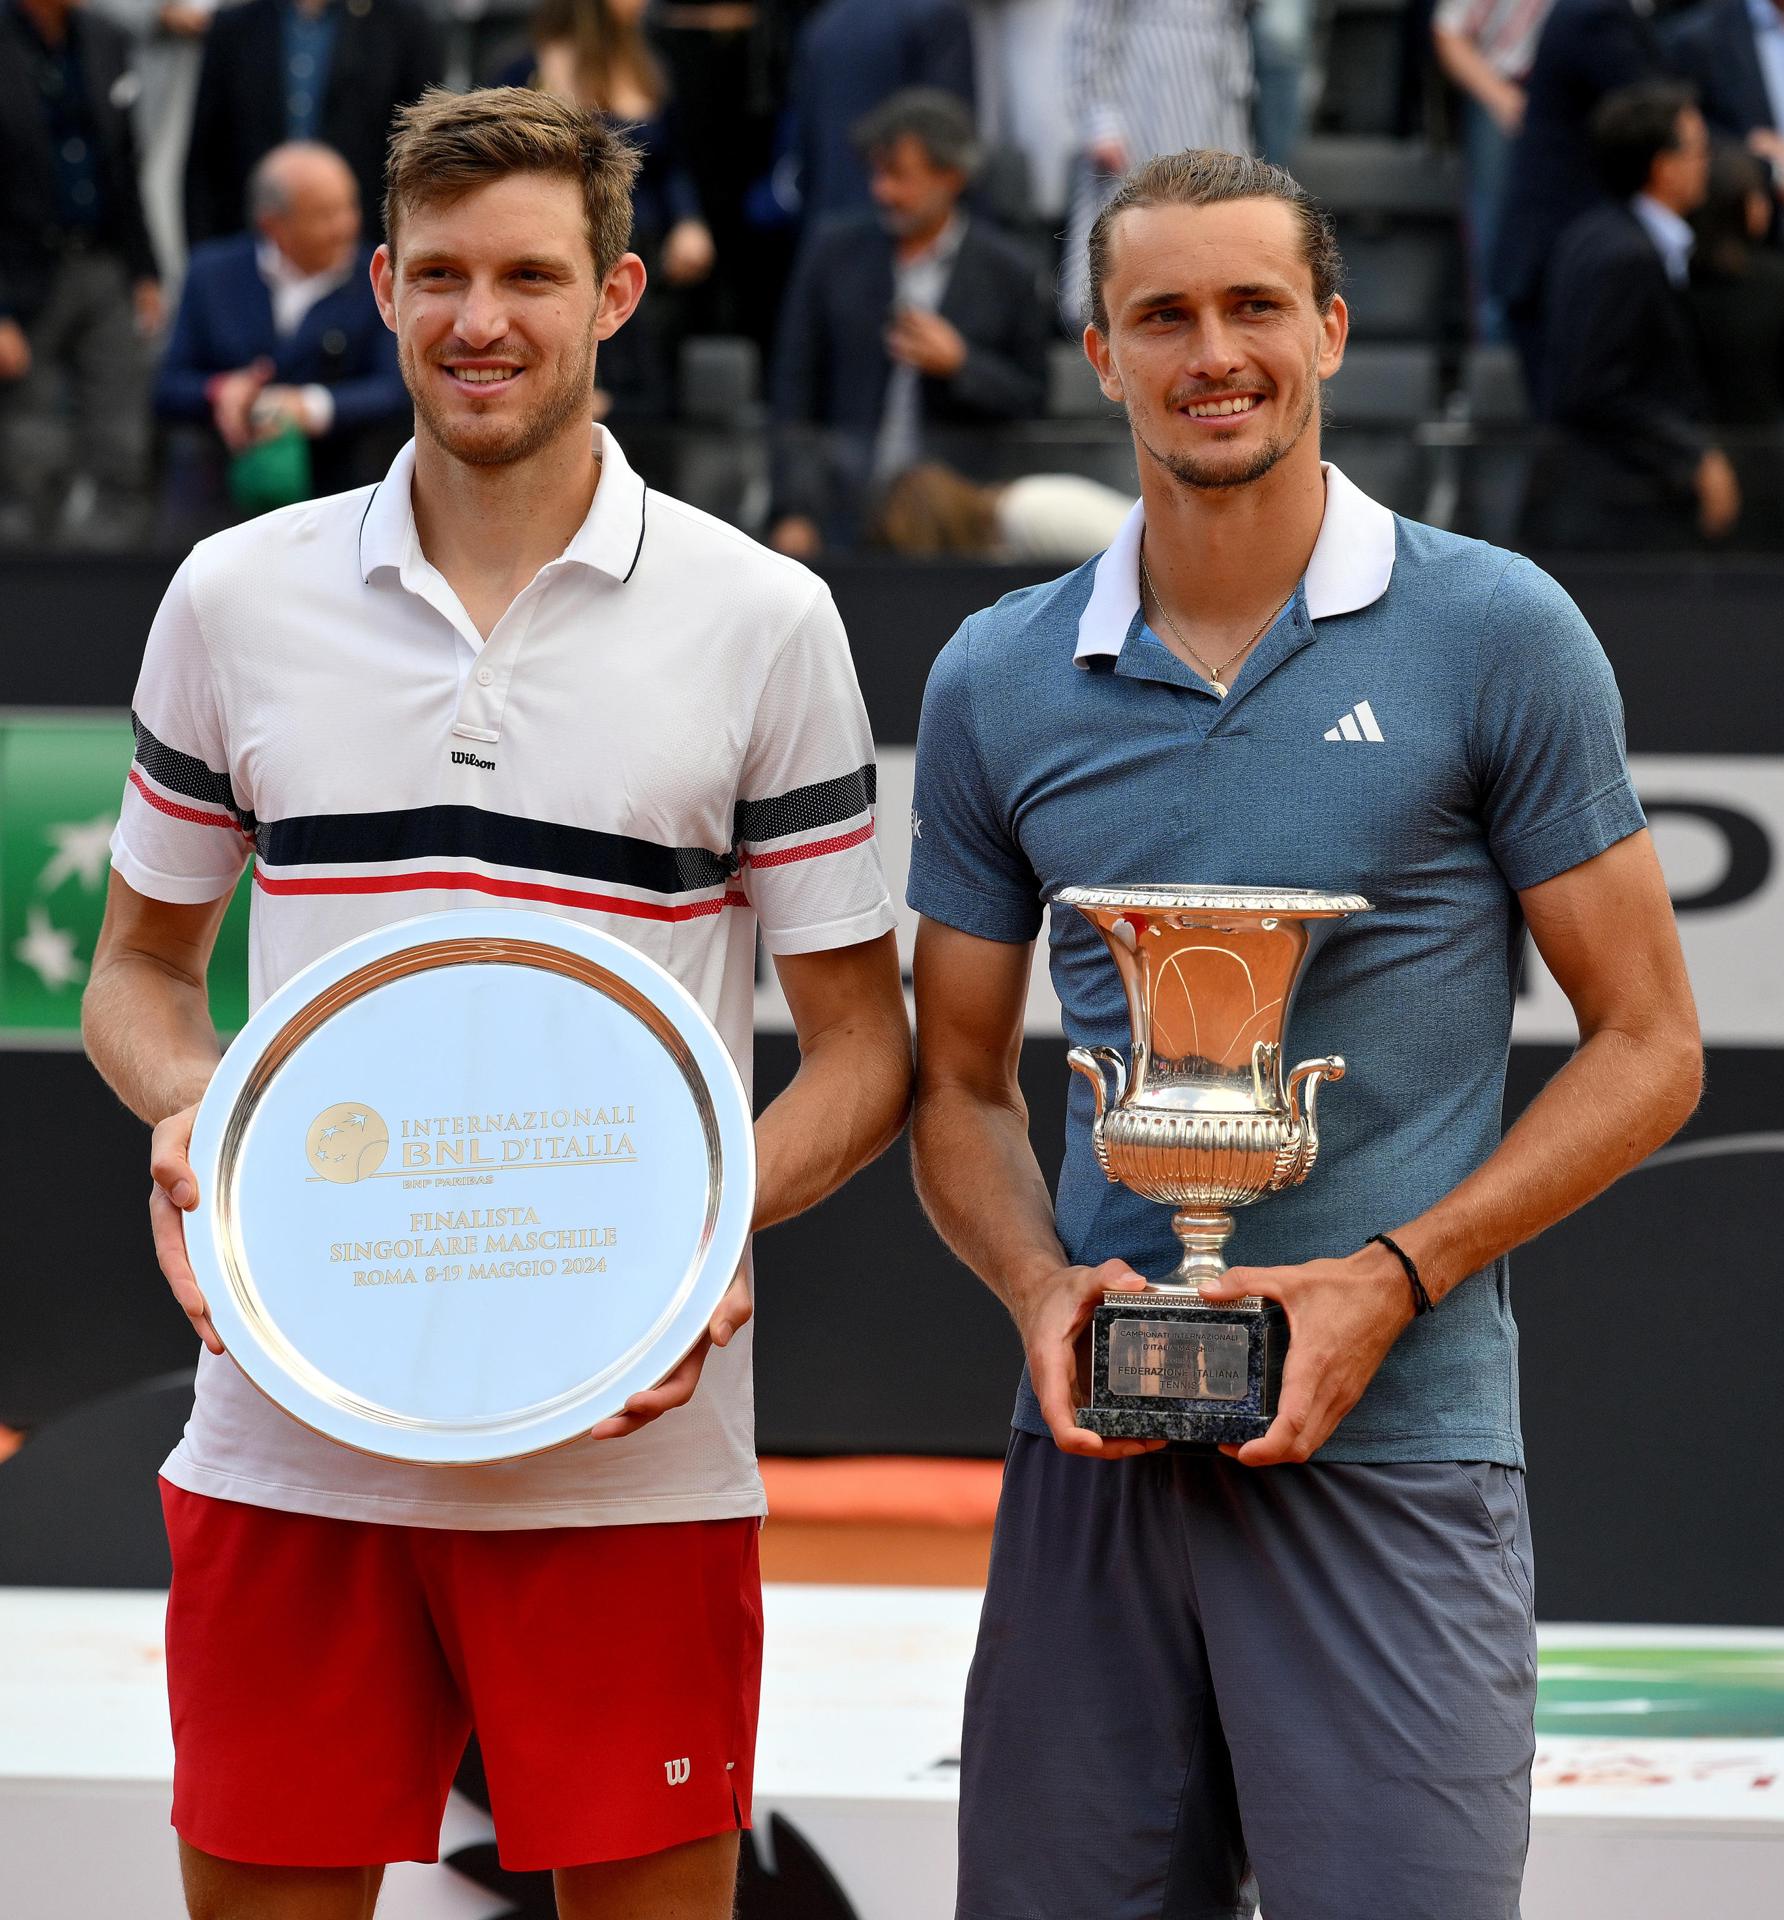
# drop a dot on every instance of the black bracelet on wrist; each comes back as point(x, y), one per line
point(1421, 1300)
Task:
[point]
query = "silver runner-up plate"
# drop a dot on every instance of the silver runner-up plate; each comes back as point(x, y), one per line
point(468, 1183)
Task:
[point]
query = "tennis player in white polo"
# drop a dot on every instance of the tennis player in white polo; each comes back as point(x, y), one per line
point(510, 671)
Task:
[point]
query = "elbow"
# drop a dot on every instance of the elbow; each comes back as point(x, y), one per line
point(895, 1081)
point(1685, 1077)
point(1671, 1079)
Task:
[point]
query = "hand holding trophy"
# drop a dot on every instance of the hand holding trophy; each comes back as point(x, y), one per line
point(1203, 1121)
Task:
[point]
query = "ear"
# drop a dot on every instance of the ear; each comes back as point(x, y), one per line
point(384, 284)
point(1334, 333)
point(1096, 351)
point(620, 293)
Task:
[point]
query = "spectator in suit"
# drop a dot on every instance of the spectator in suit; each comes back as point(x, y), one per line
point(898, 323)
point(282, 70)
point(78, 283)
point(851, 56)
point(1623, 372)
point(1737, 297)
point(278, 328)
point(1588, 50)
point(1732, 51)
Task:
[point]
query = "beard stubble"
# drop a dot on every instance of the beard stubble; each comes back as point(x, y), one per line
point(474, 442)
point(1189, 472)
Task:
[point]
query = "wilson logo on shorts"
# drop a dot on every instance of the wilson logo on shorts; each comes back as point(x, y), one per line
point(346, 1143)
point(675, 1772)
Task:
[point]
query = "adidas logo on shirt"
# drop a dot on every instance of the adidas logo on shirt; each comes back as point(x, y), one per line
point(1359, 724)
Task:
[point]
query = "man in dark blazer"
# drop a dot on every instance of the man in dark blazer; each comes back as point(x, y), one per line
point(851, 56)
point(916, 317)
point(1732, 52)
point(1634, 469)
point(281, 70)
point(78, 282)
point(279, 327)
point(1588, 49)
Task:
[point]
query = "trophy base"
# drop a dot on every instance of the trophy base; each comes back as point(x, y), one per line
point(1167, 1367)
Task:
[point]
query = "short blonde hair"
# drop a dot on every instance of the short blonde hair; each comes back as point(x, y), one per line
point(447, 144)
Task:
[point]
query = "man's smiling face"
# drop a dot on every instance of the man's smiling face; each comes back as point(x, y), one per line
point(497, 311)
point(1215, 344)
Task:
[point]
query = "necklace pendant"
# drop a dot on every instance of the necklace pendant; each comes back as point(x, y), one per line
point(1220, 692)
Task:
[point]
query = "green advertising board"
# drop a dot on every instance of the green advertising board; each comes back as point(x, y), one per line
point(1675, 1692)
point(61, 775)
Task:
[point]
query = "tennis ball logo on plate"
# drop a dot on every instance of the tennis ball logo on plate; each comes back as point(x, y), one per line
point(347, 1143)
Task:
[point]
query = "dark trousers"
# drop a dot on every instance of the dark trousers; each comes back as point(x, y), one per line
point(82, 408)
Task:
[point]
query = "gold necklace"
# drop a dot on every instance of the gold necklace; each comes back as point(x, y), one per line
point(1215, 676)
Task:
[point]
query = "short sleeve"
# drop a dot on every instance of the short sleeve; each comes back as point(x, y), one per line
point(805, 815)
point(1549, 747)
point(181, 836)
point(967, 870)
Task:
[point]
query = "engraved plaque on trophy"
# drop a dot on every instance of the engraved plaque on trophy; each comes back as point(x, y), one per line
point(1202, 1121)
point(469, 1182)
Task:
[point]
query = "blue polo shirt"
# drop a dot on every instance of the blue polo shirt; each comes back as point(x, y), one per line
point(1430, 723)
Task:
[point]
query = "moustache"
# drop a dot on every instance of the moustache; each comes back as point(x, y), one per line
point(1193, 396)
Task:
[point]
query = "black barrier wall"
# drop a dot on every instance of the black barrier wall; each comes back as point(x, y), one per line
point(1652, 1337)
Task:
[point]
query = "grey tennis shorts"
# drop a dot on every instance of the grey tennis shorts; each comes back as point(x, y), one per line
point(1197, 1683)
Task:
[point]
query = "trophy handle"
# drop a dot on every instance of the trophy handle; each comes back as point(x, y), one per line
point(1090, 1061)
point(1312, 1074)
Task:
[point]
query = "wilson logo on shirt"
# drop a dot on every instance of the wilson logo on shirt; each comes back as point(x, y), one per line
point(676, 1772)
point(470, 760)
point(1359, 724)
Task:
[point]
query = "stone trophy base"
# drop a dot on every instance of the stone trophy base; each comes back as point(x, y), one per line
point(1166, 1367)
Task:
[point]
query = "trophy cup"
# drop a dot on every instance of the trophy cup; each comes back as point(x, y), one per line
point(1204, 1122)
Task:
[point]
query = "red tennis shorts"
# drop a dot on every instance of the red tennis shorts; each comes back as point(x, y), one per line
point(324, 1676)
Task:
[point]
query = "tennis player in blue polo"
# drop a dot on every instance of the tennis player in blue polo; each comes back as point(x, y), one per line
point(1304, 1667)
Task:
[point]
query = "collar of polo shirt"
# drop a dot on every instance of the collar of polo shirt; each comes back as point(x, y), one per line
point(609, 539)
point(1351, 564)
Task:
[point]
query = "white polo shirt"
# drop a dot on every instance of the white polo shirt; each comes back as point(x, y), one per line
point(662, 737)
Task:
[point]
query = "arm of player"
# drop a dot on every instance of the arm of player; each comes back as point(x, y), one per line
point(146, 1022)
point(1605, 929)
point(977, 1175)
point(844, 1107)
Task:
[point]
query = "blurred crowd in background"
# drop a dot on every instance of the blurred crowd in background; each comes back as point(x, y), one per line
point(864, 222)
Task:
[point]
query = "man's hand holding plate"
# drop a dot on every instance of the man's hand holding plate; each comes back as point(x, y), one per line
point(175, 1192)
point(676, 1388)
